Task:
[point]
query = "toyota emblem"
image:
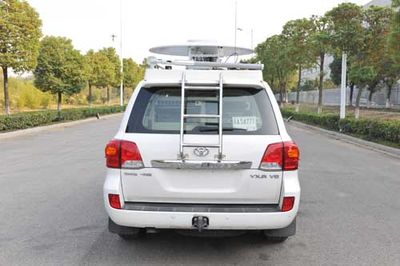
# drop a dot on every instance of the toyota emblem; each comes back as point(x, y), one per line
point(201, 151)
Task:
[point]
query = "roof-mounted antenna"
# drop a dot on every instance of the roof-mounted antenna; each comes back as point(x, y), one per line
point(235, 25)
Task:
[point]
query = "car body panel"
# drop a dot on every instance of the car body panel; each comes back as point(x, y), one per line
point(212, 186)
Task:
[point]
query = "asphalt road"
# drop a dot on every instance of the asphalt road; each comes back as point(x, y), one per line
point(51, 208)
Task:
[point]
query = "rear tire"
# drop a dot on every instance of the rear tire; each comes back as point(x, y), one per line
point(134, 235)
point(280, 235)
point(125, 232)
point(276, 239)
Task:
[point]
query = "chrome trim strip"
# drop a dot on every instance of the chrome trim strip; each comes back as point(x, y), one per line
point(187, 207)
point(188, 164)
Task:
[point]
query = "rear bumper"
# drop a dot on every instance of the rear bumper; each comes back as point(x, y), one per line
point(244, 220)
point(217, 221)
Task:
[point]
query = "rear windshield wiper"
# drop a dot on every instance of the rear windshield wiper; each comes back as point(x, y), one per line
point(234, 129)
point(210, 129)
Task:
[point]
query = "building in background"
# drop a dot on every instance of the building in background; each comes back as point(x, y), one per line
point(379, 3)
point(313, 73)
point(332, 96)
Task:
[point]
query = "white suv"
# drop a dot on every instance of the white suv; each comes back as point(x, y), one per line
point(172, 166)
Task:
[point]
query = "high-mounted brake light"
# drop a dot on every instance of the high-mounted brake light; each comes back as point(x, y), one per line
point(281, 156)
point(123, 154)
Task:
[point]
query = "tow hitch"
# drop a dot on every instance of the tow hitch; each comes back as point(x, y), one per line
point(200, 222)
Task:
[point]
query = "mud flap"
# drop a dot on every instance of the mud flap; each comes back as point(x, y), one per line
point(119, 229)
point(283, 232)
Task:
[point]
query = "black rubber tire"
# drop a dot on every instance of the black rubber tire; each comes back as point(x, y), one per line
point(139, 234)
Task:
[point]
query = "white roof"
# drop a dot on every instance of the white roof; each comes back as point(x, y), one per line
point(232, 77)
point(200, 47)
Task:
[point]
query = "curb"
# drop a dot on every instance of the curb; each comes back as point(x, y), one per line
point(393, 152)
point(23, 132)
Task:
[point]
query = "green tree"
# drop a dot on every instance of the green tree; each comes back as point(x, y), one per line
point(362, 76)
point(100, 71)
point(394, 36)
point(133, 73)
point(60, 69)
point(278, 66)
point(113, 57)
point(347, 33)
point(20, 30)
point(263, 53)
point(391, 74)
point(309, 85)
point(320, 39)
point(336, 68)
point(297, 33)
point(336, 74)
point(377, 26)
point(347, 27)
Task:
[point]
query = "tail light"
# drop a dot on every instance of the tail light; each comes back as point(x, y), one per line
point(123, 154)
point(287, 204)
point(113, 199)
point(291, 156)
point(281, 156)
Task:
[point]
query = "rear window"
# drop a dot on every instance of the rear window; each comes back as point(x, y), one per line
point(246, 111)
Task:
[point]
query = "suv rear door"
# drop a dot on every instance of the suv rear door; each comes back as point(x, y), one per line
point(249, 126)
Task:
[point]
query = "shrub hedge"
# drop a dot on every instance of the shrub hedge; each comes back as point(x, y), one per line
point(370, 129)
point(39, 118)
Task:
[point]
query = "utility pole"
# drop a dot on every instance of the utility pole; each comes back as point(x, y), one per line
point(121, 89)
point(343, 87)
point(252, 44)
point(235, 23)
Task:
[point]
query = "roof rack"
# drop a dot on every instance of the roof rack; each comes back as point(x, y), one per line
point(201, 55)
point(157, 63)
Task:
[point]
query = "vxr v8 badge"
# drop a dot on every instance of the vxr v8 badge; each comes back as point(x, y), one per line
point(261, 176)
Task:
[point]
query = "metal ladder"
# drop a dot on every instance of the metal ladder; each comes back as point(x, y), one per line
point(184, 88)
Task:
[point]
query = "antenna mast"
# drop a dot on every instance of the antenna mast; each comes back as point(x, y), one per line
point(121, 88)
point(235, 23)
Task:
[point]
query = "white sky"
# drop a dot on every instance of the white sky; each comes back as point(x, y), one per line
point(148, 23)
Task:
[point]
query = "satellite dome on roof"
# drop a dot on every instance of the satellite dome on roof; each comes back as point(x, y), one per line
point(201, 55)
point(198, 48)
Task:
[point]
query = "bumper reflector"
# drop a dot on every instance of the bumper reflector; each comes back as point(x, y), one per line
point(287, 204)
point(113, 199)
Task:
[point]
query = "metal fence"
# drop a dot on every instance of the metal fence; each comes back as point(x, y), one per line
point(332, 97)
